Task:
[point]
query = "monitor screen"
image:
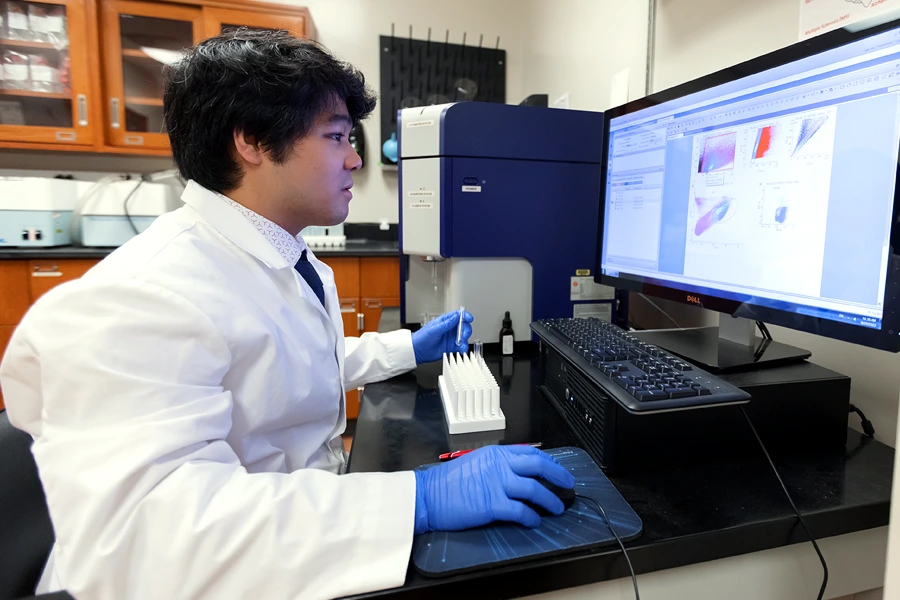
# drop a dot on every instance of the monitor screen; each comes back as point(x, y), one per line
point(766, 190)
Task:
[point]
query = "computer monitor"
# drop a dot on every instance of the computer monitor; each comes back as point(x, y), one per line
point(766, 191)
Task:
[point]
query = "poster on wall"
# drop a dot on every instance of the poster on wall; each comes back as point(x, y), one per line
point(819, 16)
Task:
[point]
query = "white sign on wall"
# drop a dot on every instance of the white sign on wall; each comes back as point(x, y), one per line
point(819, 16)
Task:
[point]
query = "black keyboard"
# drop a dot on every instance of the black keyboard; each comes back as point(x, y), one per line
point(641, 377)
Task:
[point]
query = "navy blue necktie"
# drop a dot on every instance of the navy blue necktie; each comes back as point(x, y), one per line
point(308, 272)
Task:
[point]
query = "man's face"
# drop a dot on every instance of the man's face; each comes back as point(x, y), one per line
point(316, 178)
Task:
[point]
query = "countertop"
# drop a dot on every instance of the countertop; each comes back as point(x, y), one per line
point(352, 248)
point(690, 514)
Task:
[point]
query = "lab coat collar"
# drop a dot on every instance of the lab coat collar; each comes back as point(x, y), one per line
point(233, 225)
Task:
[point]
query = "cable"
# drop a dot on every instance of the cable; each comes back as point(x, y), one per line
point(764, 330)
point(125, 205)
point(637, 594)
point(151, 178)
point(867, 426)
point(82, 203)
point(657, 307)
point(794, 506)
point(84, 200)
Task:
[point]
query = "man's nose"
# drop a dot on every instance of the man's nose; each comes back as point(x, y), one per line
point(354, 161)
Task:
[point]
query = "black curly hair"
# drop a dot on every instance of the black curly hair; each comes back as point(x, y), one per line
point(265, 83)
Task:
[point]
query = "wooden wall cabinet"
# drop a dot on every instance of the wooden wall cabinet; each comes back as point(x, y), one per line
point(45, 92)
point(86, 75)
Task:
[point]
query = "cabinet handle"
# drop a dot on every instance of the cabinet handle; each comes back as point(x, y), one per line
point(348, 305)
point(361, 321)
point(82, 110)
point(114, 113)
point(51, 270)
point(373, 304)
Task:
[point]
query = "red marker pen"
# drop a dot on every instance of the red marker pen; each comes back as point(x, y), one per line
point(456, 454)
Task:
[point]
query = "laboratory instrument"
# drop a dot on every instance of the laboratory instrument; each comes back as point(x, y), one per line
point(487, 192)
point(35, 211)
point(109, 213)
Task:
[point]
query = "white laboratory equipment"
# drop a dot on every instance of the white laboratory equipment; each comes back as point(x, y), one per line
point(35, 211)
point(109, 213)
point(470, 395)
point(324, 237)
point(498, 211)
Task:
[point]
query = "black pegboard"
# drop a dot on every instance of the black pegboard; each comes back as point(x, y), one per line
point(425, 72)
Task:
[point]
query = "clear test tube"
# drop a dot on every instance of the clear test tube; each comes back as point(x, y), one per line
point(462, 311)
point(479, 348)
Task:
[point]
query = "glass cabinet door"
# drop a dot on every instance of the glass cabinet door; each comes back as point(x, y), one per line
point(140, 38)
point(219, 20)
point(44, 83)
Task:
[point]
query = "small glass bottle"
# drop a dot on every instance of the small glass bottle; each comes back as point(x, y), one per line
point(507, 335)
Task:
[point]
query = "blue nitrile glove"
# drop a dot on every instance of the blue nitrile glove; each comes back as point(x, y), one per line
point(439, 336)
point(485, 486)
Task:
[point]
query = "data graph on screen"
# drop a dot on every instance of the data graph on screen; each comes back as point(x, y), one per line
point(713, 211)
point(769, 141)
point(808, 128)
point(718, 153)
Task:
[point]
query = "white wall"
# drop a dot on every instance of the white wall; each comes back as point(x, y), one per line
point(576, 46)
point(696, 37)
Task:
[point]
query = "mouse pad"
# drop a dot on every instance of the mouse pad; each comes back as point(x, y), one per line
point(443, 553)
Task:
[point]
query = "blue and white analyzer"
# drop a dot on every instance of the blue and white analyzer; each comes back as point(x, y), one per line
point(498, 212)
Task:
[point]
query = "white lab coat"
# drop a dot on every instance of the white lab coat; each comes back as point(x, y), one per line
point(186, 401)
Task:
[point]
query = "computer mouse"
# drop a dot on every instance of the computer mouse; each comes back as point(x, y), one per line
point(566, 495)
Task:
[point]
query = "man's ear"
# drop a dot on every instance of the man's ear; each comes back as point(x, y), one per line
point(248, 148)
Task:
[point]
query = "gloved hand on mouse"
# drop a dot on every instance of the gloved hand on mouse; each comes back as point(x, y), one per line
point(488, 485)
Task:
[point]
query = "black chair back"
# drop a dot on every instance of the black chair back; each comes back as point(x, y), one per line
point(26, 533)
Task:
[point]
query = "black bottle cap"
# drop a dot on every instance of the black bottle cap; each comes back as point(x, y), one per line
point(507, 322)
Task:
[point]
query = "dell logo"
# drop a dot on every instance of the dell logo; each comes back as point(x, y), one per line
point(694, 300)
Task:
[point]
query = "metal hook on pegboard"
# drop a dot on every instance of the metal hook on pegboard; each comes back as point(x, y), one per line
point(414, 75)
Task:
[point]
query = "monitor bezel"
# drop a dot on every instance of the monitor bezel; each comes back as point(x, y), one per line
point(886, 338)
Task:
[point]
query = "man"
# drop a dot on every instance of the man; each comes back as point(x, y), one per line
point(186, 395)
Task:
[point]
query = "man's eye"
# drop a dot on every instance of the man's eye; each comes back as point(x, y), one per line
point(337, 136)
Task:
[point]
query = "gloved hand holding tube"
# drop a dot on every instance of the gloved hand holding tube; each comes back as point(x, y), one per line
point(486, 486)
point(439, 336)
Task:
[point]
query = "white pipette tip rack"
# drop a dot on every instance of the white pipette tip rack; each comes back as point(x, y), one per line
point(470, 395)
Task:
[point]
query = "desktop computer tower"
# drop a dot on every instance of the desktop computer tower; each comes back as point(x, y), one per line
point(798, 408)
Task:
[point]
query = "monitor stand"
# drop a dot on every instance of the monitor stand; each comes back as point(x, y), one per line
point(732, 346)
